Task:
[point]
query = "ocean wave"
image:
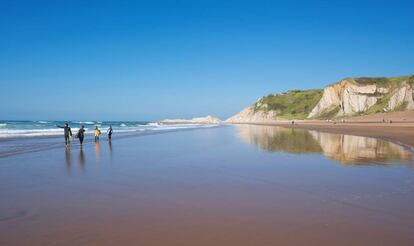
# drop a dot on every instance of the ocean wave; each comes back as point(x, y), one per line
point(123, 125)
point(85, 122)
point(42, 122)
point(14, 133)
point(29, 132)
point(34, 132)
point(3, 124)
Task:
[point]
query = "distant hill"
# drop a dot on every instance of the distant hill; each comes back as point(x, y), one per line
point(348, 97)
point(198, 120)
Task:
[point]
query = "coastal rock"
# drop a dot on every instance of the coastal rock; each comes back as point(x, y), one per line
point(355, 99)
point(352, 98)
point(329, 100)
point(249, 115)
point(349, 97)
point(198, 120)
point(402, 95)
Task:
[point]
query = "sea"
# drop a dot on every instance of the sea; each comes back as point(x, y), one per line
point(43, 128)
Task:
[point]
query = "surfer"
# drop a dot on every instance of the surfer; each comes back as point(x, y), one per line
point(81, 134)
point(97, 133)
point(67, 132)
point(109, 132)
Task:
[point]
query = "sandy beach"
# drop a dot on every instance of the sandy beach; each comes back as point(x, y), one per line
point(226, 185)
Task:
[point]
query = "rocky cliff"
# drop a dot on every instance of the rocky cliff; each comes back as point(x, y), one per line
point(366, 95)
point(351, 96)
point(250, 115)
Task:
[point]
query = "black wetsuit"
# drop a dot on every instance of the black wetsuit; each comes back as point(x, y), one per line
point(110, 133)
point(81, 135)
point(68, 132)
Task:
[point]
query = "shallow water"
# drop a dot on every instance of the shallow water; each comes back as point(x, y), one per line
point(244, 185)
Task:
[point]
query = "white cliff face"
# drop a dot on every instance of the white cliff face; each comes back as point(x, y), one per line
point(355, 99)
point(345, 98)
point(249, 115)
point(402, 95)
point(198, 120)
point(351, 98)
point(330, 99)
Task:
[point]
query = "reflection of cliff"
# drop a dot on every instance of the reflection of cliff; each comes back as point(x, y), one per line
point(345, 149)
point(355, 149)
point(273, 138)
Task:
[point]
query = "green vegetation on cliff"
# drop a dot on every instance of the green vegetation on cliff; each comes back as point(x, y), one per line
point(294, 104)
point(385, 82)
point(348, 97)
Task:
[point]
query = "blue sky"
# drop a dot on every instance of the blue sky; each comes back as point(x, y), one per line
point(148, 60)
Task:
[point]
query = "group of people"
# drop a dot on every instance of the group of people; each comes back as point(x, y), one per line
point(81, 133)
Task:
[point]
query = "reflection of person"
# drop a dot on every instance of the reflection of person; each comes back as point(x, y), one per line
point(110, 146)
point(81, 135)
point(81, 159)
point(109, 132)
point(97, 134)
point(68, 159)
point(97, 150)
point(67, 132)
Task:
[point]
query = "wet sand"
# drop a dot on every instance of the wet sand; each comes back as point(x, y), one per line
point(397, 127)
point(220, 186)
point(402, 133)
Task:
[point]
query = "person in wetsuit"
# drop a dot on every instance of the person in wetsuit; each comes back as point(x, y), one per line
point(81, 134)
point(67, 132)
point(109, 132)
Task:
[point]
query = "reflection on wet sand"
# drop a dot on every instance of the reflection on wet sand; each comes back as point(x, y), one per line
point(81, 159)
point(68, 158)
point(97, 150)
point(345, 149)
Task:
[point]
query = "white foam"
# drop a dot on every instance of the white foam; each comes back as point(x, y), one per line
point(29, 132)
point(11, 133)
point(86, 122)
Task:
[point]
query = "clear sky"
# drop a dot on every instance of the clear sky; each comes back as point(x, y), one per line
point(148, 60)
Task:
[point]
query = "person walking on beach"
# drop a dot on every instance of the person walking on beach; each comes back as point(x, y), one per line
point(97, 133)
point(67, 132)
point(81, 134)
point(109, 132)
